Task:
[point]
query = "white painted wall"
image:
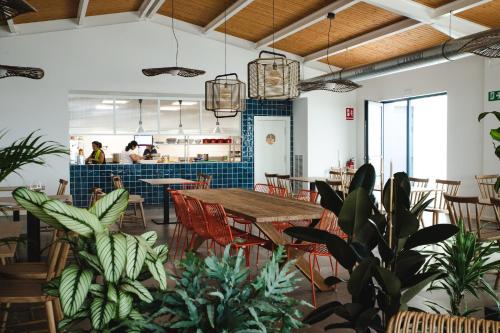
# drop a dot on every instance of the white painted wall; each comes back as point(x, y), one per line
point(463, 80)
point(329, 135)
point(105, 58)
point(491, 164)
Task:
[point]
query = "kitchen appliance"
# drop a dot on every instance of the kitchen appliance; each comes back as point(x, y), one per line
point(202, 157)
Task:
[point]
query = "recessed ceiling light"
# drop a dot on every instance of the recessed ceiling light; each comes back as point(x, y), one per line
point(184, 103)
point(110, 101)
point(169, 108)
point(104, 107)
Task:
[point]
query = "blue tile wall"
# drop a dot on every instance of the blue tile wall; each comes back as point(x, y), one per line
point(225, 174)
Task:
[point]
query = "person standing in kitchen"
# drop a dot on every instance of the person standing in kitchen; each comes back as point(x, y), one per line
point(149, 152)
point(130, 155)
point(97, 156)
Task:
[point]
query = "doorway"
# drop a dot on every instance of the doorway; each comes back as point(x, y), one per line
point(410, 132)
point(271, 146)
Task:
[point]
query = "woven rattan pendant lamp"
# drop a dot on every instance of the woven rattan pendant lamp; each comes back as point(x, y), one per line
point(273, 75)
point(176, 70)
point(225, 95)
point(8, 10)
point(334, 85)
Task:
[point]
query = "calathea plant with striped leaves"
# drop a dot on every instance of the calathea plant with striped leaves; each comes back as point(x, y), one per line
point(103, 282)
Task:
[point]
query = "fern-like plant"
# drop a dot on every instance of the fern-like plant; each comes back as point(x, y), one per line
point(104, 282)
point(216, 295)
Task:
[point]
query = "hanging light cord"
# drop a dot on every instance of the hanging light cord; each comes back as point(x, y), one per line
point(225, 38)
point(328, 47)
point(450, 24)
point(274, 59)
point(180, 113)
point(140, 111)
point(175, 36)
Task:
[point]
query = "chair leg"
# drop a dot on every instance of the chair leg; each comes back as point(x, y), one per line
point(178, 241)
point(5, 316)
point(58, 310)
point(497, 280)
point(311, 275)
point(135, 209)
point(141, 208)
point(51, 322)
point(120, 221)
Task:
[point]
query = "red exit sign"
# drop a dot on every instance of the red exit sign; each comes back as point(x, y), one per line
point(349, 113)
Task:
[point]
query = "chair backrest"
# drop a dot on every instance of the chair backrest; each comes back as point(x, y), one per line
point(194, 186)
point(279, 191)
point(336, 174)
point(285, 182)
point(449, 187)
point(307, 195)
point(348, 176)
point(61, 189)
point(218, 227)
point(117, 182)
point(57, 256)
point(417, 183)
point(95, 194)
point(337, 185)
point(271, 178)
point(204, 180)
point(486, 184)
point(418, 322)
point(197, 215)
point(181, 209)
point(329, 222)
point(465, 209)
point(263, 188)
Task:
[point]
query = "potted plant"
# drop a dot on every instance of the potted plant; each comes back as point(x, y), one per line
point(104, 283)
point(216, 295)
point(495, 135)
point(465, 260)
point(380, 252)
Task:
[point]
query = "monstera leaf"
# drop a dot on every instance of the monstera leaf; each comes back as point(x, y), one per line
point(109, 208)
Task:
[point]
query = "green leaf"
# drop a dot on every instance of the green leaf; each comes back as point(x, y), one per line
point(413, 291)
point(329, 199)
point(136, 254)
point(308, 234)
point(92, 260)
point(158, 271)
point(484, 114)
point(74, 287)
point(431, 235)
point(388, 280)
point(124, 304)
point(408, 263)
point(150, 237)
point(341, 251)
point(360, 277)
point(135, 287)
point(355, 212)
point(322, 312)
point(401, 192)
point(75, 219)
point(101, 312)
point(33, 202)
point(112, 253)
point(495, 134)
point(68, 321)
point(109, 208)
point(161, 252)
point(364, 177)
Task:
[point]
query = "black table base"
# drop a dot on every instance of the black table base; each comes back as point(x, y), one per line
point(33, 237)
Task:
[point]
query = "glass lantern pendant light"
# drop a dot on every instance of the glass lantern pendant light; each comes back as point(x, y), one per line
point(140, 129)
point(273, 76)
point(225, 95)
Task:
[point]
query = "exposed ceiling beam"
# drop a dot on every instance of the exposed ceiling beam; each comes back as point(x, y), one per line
point(11, 26)
point(364, 39)
point(458, 6)
point(82, 11)
point(424, 14)
point(150, 7)
point(317, 16)
point(234, 9)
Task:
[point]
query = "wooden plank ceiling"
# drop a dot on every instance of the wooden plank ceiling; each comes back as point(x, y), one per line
point(255, 22)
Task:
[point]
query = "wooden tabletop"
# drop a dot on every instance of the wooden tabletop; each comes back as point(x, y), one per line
point(12, 188)
point(10, 202)
point(308, 179)
point(166, 181)
point(256, 206)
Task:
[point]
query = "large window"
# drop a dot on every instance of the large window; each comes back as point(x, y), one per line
point(94, 114)
point(410, 132)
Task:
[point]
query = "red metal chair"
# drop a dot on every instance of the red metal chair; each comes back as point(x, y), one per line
point(198, 220)
point(223, 234)
point(328, 222)
point(263, 188)
point(307, 195)
point(184, 223)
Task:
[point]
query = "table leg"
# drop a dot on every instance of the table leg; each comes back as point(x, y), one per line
point(33, 237)
point(166, 210)
point(16, 216)
point(270, 231)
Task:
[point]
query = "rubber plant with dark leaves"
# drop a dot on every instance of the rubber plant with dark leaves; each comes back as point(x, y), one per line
point(495, 135)
point(104, 282)
point(385, 269)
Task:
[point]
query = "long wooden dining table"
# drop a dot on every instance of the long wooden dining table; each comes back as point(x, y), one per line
point(263, 209)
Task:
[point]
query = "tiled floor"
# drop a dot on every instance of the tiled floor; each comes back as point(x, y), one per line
point(303, 291)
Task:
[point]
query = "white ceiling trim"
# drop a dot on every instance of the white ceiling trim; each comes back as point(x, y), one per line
point(149, 7)
point(82, 11)
point(368, 37)
point(232, 10)
point(424, 14)
point(307, 21)
point(458, 6)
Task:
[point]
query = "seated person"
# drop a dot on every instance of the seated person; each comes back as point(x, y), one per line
point(149, 151)
point(97, 156)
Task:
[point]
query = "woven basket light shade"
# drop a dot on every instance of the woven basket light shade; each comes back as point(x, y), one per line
point(273, 77)
point(487, 45)
point(333, 85)
point(225, 95)
point(11, 8)
point(27, 72)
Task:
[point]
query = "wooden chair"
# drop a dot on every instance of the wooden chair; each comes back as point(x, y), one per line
point(486, 184)
point(204, 180)
point(348, 176)
point(417, 183)
point(95, 194)
point(337, 185)
point(26, 287)
point(496, 208)
point(134, 200)
point(421, 322)
point(439, 207)
point(285, 182)
point(61, 190)
point(336, 174)
point(272, 179)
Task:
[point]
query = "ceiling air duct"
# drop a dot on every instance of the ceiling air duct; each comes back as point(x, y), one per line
point(485, 43)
